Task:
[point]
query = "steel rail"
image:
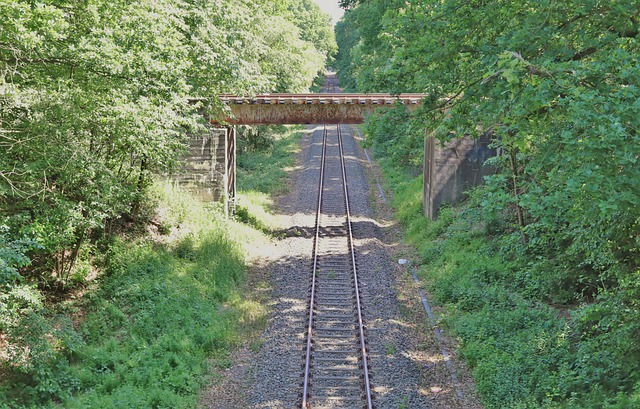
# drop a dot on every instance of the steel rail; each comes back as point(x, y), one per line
point(365, 363)
point(323, 295)
point(307, 364)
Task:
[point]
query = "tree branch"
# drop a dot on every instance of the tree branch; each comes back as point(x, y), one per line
point(582, 54)
point(540, 72)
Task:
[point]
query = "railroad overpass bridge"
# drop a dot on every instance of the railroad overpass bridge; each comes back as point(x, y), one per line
point(448, 169)
point(326, 108)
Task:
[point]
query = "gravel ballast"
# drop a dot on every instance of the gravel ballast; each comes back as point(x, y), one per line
point(407, 368)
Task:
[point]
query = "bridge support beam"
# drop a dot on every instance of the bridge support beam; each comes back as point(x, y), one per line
point(230, 164)
point(452, 168)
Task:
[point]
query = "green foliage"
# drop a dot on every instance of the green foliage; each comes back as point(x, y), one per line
point(262, 172)
point(392, 135)
point(156, 321)
point(252, 139)
point(265, 162)
point(17, 298)
point(36, 360)
point(523, 352)
point(556, 86)
point(13, 256)
point(94, 101)
point(315, 26)
point(146, 333)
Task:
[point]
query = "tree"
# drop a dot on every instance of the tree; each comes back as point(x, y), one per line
point(94, 99)
point(556, 84)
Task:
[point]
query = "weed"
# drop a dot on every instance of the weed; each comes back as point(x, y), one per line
point(255, 345)
point(390, 348)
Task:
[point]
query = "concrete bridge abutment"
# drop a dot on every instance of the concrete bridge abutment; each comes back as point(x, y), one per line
point(209, 166)
point(452, 168)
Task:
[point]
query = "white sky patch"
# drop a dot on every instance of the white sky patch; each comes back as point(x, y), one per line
point(331, 7)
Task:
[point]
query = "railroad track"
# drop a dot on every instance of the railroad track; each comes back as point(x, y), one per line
point(331, 84)
point(336, 368)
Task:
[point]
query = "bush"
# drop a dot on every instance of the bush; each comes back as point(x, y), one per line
point(13, 256)
point(147, 331)
point(393, 135)
point(523, 352)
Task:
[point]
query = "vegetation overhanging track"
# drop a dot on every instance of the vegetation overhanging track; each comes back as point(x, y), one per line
point(336, 368)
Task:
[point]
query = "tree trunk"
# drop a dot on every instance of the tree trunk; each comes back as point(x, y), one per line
point(516, 194)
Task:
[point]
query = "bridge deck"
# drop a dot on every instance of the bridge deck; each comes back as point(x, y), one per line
point(335, 108)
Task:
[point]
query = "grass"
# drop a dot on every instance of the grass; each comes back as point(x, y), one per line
point(161, 312)
point(146, 332)
point(156, 321)
point(261, 176)
point(390, 348)
point(263, 171)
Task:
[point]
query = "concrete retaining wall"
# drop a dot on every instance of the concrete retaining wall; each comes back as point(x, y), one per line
point(204, 169)
point(452, 168)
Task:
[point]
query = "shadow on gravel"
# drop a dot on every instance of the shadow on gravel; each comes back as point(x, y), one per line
point(363, 229)
point(400, 373)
